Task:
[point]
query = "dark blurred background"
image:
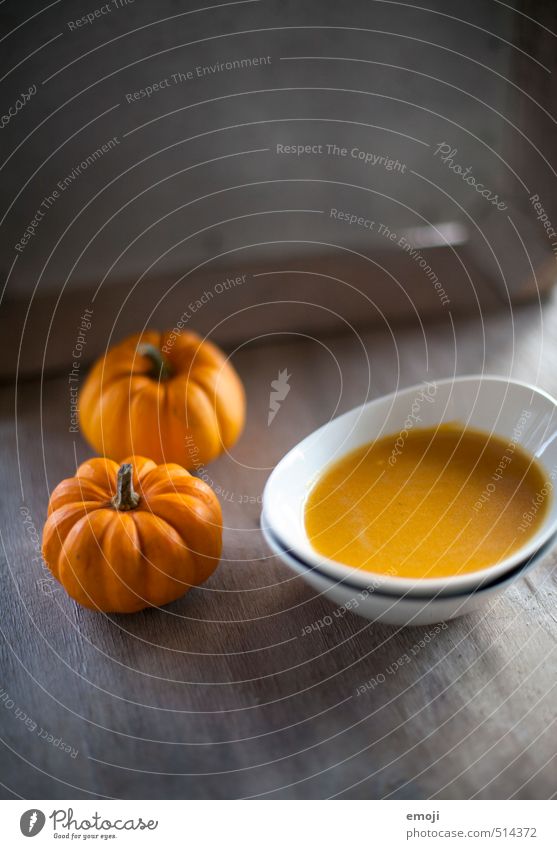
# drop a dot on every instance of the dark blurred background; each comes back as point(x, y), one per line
point(190, 188)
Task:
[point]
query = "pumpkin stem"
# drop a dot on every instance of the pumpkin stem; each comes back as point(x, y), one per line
point(161, 367)
point(126, 497)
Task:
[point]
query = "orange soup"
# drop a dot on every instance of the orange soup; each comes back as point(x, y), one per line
point(440, 501)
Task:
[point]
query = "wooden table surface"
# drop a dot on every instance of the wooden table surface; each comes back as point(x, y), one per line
point(221, 695)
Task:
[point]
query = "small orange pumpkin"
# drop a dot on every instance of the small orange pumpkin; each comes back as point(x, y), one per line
point(121, 539)
point(170, 396)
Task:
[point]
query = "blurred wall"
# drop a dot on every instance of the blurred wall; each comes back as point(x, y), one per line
point(196, 105)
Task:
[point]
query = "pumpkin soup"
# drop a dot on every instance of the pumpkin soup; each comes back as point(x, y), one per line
point(441, 502)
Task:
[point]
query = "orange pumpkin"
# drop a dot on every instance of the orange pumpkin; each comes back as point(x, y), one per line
point(170, 396)
point(121, 539)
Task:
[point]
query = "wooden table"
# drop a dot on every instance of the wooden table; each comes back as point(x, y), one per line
point(221, 694)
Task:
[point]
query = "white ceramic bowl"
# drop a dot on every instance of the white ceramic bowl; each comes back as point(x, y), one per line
point(512, 410)
point(406, 608)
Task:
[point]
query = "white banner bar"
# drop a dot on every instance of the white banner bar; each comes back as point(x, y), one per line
point(280, 824)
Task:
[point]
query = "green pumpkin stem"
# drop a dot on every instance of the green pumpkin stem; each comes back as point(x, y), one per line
point(126, 497)
point(161, 367)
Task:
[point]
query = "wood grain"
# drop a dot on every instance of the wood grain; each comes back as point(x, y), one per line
point(220, 695)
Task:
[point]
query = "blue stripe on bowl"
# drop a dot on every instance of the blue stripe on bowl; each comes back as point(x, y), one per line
point(506, 576)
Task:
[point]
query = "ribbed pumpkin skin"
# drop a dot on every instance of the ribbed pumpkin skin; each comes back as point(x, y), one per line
point(124, 561)
point(189, 418)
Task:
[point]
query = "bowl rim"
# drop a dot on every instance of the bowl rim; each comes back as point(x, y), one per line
point(397, 585)
point(500, 581)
